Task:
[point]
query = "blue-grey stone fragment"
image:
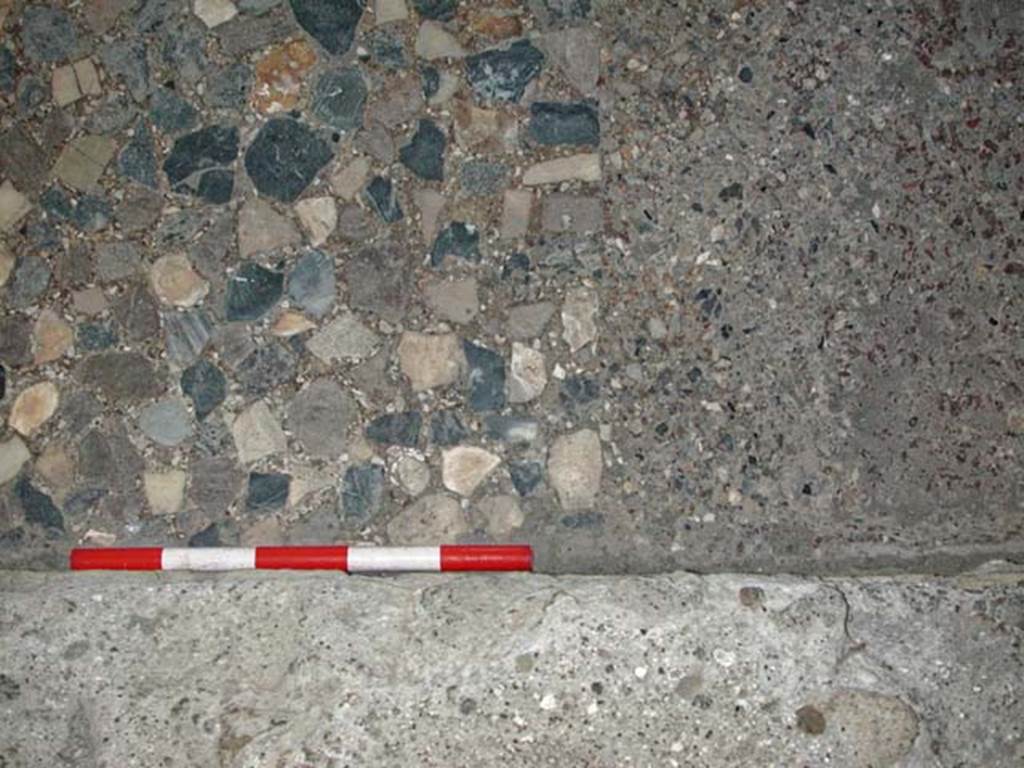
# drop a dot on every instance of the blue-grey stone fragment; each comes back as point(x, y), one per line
point(396, 428)
point(29, 281)
point(113, 115)
point(268, 366)
point(252, 291)
point(210, 147)
point(47, 34)
point(502, 74)
point(446, 428)
point(8, 70)
point(284, 158)
point(486, 378)
point(186, 334)
point(229, 87)
point(81, 501)
point(208, 537)
point(166, 422)
point(42, 235)
point(126, 59)
point(438, 10)
point(578, 390)
point(257, 7)
point(311, 284)
point(92, 337)
point(386, 50)
point(362, 492)
point(170, 113)
point(205, 385)
point(31, 94)
point(568, 9)
point(56, 202)
point(424, 154)
point(332, 23)
point(39, 508)
point(458, 239)
point(431, 81)
point(526, 476)
point(339, 98)
point(15, 339)
point(511, 429)
point(267, 491)
point(196, 155)
point(583, 520)
point(152, 15)
point(215, 186)
point(380, 194)
point(184, 49)
point(481, 177)
point(92, 213)
point(570, 123)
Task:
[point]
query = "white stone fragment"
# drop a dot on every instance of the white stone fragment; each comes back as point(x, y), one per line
point(213, 13)
point(465, 467)
point(385, 11)
point(344, 338)
point(574, 469)
point(319, 217)
point(527, 374)
point(579, 318)
point(258, 434)
point(165, 491)
point(13, 455)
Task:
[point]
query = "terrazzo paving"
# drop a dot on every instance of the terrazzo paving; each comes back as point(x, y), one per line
point(698, 285)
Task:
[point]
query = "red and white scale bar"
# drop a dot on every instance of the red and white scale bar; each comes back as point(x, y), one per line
point(336, 558)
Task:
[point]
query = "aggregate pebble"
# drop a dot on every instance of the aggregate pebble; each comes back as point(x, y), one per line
point(320, 415)
point(284, 158)
point(459, 239)
point(311, 283)
point(502, 74)
point(380, 194)
point(205, 384)
point(332, 23)
point(424, 154)
point(362, 491)
point(339, 98)
point(252, 291)
point(570, 123)
point(396, 428)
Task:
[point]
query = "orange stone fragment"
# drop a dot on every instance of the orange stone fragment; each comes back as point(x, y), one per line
point(496, 27)
point(280, 74)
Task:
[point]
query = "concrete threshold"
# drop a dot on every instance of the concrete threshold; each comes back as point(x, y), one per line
point(321, 669)
point(591, 557)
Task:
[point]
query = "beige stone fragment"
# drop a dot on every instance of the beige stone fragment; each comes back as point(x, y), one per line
point(33, 407)
point(51, 337)
point(581, 167)
point(431, 360)
point(165, 491)
point(465, 467)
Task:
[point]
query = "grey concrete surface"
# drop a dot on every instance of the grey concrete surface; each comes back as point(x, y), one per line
point(288, 670)
point(766, 252)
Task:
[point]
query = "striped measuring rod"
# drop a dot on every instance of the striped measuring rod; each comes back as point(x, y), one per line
point(476, 557)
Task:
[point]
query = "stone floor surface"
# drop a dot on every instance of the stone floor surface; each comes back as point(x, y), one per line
point(325, 670)
point(703, 285)
point(714, 285)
